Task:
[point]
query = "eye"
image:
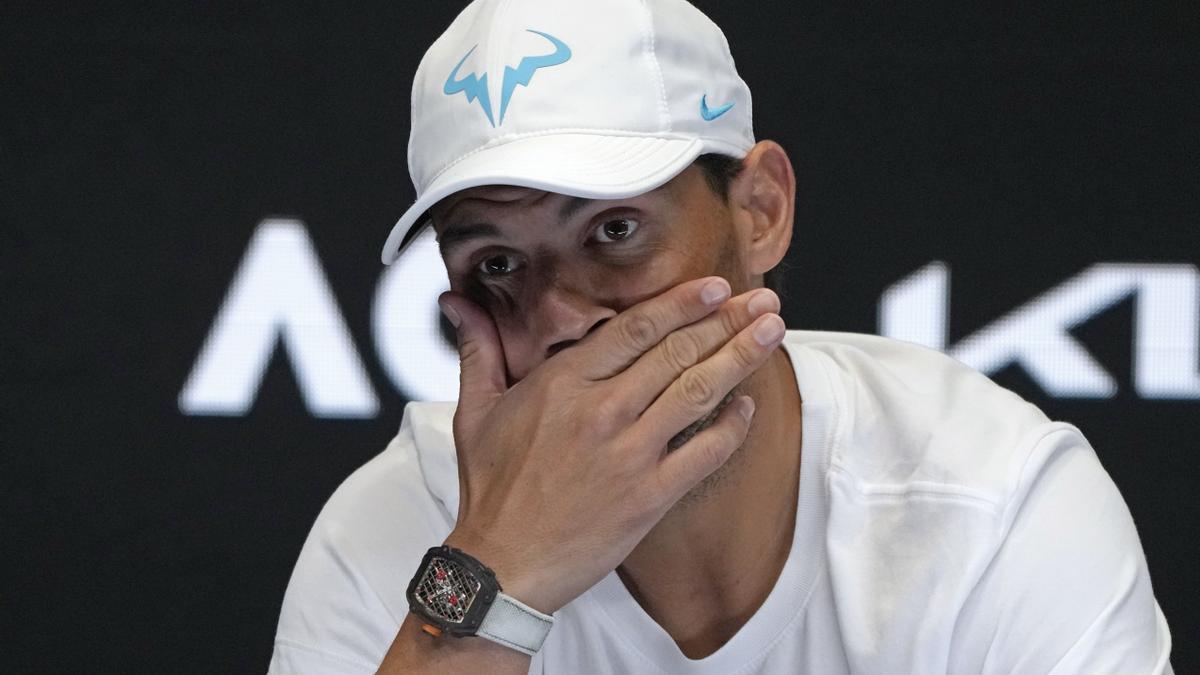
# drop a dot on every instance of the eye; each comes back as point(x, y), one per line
point(615, 230)
point(498, 265)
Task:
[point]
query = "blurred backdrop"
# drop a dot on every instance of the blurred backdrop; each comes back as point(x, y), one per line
point(201, 343)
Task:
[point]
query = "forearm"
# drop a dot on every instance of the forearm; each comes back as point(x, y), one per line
point(413, 651)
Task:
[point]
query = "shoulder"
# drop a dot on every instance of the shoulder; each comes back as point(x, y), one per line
point(946, 490)
point(417, 469)
point(415, 476)
point(912, 416)
point(346, 596)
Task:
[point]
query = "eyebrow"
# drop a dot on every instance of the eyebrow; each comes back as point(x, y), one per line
point(456, 235)
point(571, 207)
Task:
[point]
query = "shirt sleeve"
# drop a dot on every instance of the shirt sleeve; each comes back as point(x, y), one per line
point(289, 657)
point(346, 597)
point(1068, 590)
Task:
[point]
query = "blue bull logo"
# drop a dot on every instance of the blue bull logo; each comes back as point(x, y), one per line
point(476, 86)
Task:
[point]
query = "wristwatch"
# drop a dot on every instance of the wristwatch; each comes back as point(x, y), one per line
point(457, 595)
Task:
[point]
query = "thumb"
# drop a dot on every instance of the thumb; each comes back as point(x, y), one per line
point(482, 376)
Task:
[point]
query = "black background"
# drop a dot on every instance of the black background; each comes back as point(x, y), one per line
point(142, 146)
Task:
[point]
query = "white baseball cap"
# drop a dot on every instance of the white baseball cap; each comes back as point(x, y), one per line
point(602, 99)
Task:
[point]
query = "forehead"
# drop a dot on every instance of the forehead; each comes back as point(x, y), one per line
point(490, 197)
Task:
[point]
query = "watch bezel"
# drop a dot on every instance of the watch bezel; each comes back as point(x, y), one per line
point(488, 588)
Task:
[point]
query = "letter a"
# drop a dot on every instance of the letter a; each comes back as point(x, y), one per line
point(279, 291)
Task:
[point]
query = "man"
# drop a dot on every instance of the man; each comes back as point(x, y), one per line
point(644, 471)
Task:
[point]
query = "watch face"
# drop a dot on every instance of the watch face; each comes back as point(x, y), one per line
point(447, 589)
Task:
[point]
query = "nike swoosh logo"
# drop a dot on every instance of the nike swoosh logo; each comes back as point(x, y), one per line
point(710, 114)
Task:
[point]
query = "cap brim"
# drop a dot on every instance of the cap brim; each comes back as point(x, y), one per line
point(591, 165)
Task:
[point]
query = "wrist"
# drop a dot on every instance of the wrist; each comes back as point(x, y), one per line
point(518, 576)
point(456, 594)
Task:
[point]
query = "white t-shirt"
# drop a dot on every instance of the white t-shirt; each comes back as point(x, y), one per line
point(944, 525)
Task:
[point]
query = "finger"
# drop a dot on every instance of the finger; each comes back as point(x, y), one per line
point(482, 373)
point(680, 470)
point(646, 379)
point(698, 389)
point(625, 337)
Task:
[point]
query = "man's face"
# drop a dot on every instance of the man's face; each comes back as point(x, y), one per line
point(551, 268)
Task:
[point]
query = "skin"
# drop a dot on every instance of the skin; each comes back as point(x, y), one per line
point(544, 288)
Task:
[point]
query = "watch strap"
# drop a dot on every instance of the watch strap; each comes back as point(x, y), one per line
point(516, 625)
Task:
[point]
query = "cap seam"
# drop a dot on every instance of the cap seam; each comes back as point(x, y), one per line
point(500, 30)
point(739, 80)
point(648, 37)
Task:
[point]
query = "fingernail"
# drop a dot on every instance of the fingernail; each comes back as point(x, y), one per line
point(451, 315)
point(715, 291)
point(762, 302)
point(769, 331)
point(746, 408)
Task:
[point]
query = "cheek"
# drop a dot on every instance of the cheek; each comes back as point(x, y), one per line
point(667, 268)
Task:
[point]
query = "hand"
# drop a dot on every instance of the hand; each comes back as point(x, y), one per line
point(563, 474)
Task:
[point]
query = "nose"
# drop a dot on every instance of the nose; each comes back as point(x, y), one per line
point(565, 316)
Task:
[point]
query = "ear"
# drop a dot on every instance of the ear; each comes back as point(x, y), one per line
point(763, 197)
